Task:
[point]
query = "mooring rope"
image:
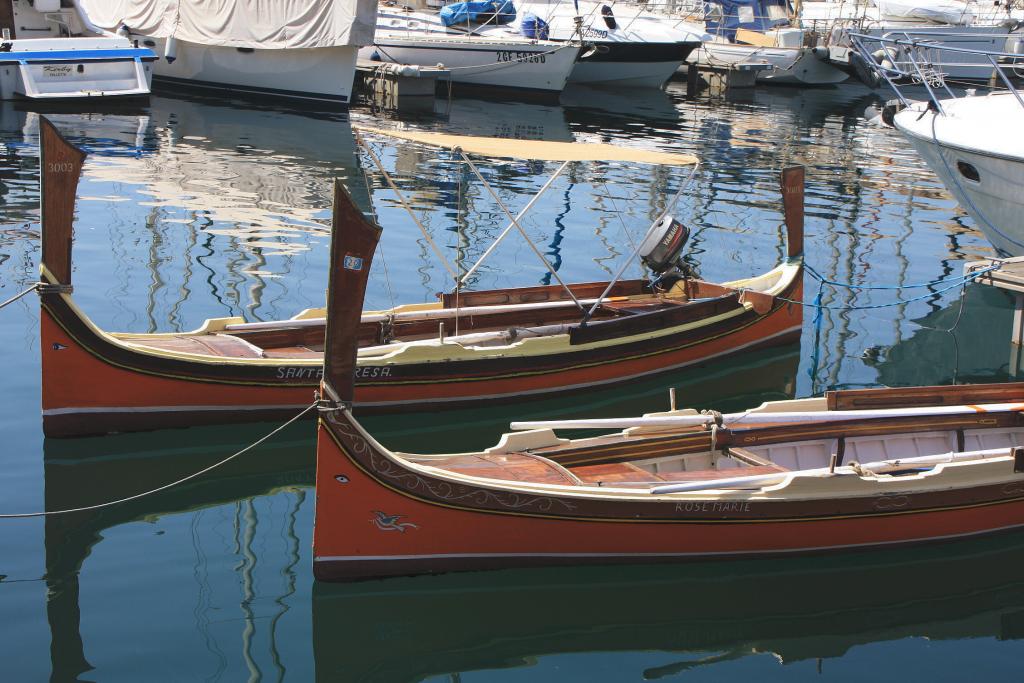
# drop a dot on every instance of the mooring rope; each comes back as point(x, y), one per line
point(817, 303)
point(109, 503)
point(14, 298)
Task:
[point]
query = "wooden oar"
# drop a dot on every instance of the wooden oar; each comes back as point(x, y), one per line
point(766, 417)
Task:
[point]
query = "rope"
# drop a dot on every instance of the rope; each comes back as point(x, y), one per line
point(958, 282)
point(14, 298)
point(917, 285)
point(50, 513)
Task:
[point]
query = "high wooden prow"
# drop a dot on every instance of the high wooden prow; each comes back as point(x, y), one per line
point(792, 186)
point(353, 241)
point(60, 165)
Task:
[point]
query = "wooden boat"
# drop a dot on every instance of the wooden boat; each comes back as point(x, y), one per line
point(501, 344)
point(852, 469)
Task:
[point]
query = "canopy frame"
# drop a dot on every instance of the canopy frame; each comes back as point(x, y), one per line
point(541, 150)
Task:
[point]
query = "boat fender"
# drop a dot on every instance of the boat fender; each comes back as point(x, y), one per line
point(609, 17)
point(889, 111)
point(867, 74)
point(171, 49)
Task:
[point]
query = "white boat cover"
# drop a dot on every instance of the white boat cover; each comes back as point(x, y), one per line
point(273, 24)
point(938, 11)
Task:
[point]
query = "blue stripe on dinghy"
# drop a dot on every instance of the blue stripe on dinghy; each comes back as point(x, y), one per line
point(77, 55)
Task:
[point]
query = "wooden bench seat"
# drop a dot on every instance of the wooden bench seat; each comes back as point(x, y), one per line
point(628, 473)
point(507, 466)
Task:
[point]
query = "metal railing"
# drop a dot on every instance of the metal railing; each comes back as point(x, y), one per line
point(917, 58)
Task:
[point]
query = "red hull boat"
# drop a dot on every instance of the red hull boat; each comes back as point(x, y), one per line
point(853, 469)
point(500, 345)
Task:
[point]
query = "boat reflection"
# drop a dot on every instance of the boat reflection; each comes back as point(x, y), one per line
point(947, 349)
point(673, 619)
point(82, 472)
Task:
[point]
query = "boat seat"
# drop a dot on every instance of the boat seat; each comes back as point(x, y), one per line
point(292, 352)
point(708, 475)
point(524, 467)
point(628, 473)
point(219, 345)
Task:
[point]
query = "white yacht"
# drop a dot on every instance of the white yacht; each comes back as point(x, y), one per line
point(301, 50)
point(972, 142)
point(763, 32)
point(478, 50)
point(627, 46)
point(981, 27)
point(46, 53)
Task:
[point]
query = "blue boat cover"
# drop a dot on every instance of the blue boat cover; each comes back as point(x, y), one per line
point(723, 17)
point(534, 27)
point(479, 11)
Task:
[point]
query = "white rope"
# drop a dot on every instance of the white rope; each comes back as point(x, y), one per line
point(19, 295)
point(109, 503)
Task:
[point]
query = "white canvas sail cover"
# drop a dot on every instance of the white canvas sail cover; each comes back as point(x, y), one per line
point(938, 11)
point(241, 23)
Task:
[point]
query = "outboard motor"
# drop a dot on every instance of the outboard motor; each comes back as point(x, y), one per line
point(662, 249)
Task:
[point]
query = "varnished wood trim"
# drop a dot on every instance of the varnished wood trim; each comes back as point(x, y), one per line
point(60, 165)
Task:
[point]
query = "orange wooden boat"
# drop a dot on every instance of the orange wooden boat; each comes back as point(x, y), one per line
point(493, 345)
point(852, 469)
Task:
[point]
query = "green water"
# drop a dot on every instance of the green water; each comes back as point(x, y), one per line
point(196, 208)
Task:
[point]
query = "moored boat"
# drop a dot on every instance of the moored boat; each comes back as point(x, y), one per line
point(762, 32)
point(626, 46)
point(47, 54)
point(471, 346)
point(852, 469)
point(480, 54)
point(969, 141)
point(299, 51)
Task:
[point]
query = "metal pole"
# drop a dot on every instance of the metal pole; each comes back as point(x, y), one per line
point(518, 227)
point(508, 228)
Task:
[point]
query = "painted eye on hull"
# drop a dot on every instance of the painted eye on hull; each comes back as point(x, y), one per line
point(968, 171)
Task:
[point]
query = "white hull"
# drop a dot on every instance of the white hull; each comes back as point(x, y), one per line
point(790, 65)
point(73, 68)
point(957, 149)
point(322, 74)
point(46, 58)
point(515, 65)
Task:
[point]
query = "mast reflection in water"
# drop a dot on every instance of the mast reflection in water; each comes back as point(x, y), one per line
point(194, 208)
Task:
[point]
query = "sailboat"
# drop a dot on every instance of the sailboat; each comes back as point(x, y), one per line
point(470, 346)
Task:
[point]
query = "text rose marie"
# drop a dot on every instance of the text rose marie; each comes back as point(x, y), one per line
point(713, 506)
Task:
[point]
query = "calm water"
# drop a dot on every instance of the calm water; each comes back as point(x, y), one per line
point(189, 209)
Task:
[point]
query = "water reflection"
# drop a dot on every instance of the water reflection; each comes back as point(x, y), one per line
point(663, 621)
point(274, 481)
point(82, 472)
point(195, 208)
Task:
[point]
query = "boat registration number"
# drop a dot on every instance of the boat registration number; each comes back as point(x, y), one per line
point(57, 70)
point(515, 56)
